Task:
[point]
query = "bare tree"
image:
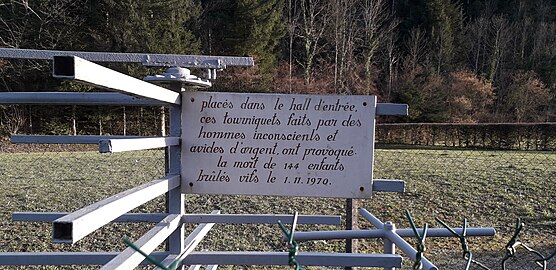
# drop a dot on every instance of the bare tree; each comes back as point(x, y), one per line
point(477, 34)
point(393, 58)
point(13, 119)
point(526, 97)
point(416, 46)
point(345, 36)
point(378, 26)
point(315, 15)
point(292, 26)
point(499, 40)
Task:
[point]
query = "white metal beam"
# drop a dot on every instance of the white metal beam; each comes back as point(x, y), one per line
point(61, 139)
point(192, 240)
point(304, 258)
point(123, 145)
point(259, 219)
point(130, 258)
point(167, 60)
point(392, 109)
point(63, 258)
point(409, 250)
point(73, 227)
point(75, 98)
point(189, 218)
point(51, 216)
point(206, 258)
point(396, 239)
point(385, 185)
point(366, 234)
point(81, 70)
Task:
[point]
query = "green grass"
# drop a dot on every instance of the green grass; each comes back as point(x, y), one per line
point(489, 188)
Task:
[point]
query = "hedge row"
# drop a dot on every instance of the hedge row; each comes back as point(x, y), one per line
point(503, 136)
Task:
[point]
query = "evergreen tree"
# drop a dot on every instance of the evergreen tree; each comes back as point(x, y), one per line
point(245, 27)
point(257, 31)
point(446, 20)
point(141, 26)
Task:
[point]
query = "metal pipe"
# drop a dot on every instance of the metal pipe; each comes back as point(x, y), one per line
point(81, 70)
point(408, 249)
point(371, 218)
point(365, 234)
point(75, 98)
point(389, 247)
point(168, 60)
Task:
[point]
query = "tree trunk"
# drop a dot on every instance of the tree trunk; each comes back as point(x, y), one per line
point(30, 119)
point(73, 120)
point(140, 121)
point(125, 121)
point(99, 123)
point(162, 131)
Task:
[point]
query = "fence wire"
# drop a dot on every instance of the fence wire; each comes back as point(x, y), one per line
point(492, 186)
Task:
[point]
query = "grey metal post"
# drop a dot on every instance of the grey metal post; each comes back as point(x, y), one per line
point(351, 224)
point(389, 246)
point(175, 200)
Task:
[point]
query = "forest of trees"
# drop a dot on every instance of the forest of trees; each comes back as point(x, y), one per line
point(450, 60)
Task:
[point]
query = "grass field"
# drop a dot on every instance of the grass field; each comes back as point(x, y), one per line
point(489, 188)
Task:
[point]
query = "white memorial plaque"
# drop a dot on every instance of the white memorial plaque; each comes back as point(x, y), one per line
point(274, 144)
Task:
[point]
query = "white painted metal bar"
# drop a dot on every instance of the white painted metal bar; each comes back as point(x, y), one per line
point(385, 185)
point(195, 267)
point(205, 258)
point(408, 249)
point(211, 267)
point(63, 258)
point(389, 246)
point(392, 109)
point(130, 258)
point(168, 260)
point(191, 218)
point(259, 219)
point(175, 199)
point(81, 70)
point(51, 216)
point(193, 240)
point(168, 60)
point(396, 239)
point(304, 258)
point(366, 234)
point(75, 98)
point(73, 227)
point(371, 218)
point(59, 139)
point(124, 145)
